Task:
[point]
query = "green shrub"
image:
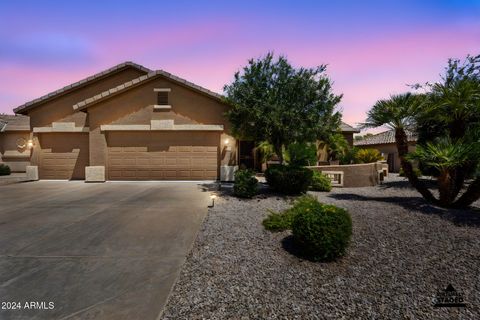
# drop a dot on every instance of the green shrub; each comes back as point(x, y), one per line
point(416, 171)
point(322, 232)
point(246, 185)
point(280, 221)
point(4, 170)
point(349, 156)
point(301, 154)
point(288, 179)
point(368, 155)
point(320, 182)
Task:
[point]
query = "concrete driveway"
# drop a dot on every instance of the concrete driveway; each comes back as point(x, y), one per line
point(94, 251)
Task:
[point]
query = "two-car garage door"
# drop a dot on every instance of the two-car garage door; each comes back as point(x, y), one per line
point(162, 155)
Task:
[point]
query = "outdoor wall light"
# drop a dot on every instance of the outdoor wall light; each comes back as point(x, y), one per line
point(213, 197)
point(226, 141)
point(30, 144)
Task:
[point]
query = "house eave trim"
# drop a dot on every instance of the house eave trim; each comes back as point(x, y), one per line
point(176, 127)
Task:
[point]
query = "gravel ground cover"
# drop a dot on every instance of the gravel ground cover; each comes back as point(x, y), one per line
point(403, 252)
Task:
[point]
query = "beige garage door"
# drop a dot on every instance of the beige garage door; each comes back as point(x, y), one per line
point(63, 155)
point(163, 155)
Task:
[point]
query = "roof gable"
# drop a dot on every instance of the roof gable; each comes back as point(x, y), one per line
point(139, 81)
point(52, 95)
point(348, 128)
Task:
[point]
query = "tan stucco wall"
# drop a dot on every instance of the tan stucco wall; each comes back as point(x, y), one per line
point(387, 148)
point(356, 175)
point(16, 158)
point(349, 137)
point(135, 106)
point(60, 109)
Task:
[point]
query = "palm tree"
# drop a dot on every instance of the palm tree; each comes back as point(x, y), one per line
point(455, 109)
point(449, 158)
point(337, 145)
point(398, 113)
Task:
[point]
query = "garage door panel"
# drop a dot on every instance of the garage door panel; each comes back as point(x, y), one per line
point(170, 156)
point(63, 155)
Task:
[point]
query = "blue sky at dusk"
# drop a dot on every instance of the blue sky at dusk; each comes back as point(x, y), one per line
point(372, 48)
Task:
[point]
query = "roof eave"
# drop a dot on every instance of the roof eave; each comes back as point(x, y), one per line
point(23, 109)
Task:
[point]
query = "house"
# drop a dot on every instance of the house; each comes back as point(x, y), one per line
point(14, 136)
point(385, 143)
point(130, 123)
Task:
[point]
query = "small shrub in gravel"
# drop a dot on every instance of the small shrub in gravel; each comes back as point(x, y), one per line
point(416, 171)
point(246, 185)
point(288, 179)
point(320, 182)
point(280, 221)
point(322, 232)
point(4, 170)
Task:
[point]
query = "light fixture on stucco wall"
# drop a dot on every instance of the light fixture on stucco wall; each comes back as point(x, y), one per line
point(21, 143)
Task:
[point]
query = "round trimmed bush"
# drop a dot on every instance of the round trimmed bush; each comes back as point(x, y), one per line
point(246, 184)
point(320, 182)
point(288, 179)
point(4, 170)
point(322, 232)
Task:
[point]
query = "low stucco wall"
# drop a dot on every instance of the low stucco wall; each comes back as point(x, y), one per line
point(355, 175)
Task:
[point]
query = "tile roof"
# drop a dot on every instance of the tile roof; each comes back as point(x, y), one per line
point(35, 102)
point(135, 82)
point(348, 128)
point(384, 138)
point(11, 122)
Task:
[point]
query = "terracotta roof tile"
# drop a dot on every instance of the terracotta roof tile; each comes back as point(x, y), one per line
point(348, 128)
point(11, 122)
point(384, 138)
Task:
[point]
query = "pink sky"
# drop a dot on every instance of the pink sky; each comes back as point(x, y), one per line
point(371, 51)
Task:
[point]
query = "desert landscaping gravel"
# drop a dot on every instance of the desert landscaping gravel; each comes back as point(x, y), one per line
point(403, 251)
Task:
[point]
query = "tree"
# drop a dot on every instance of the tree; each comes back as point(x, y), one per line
point(337, 146)
point(398, 113)
point(449, 131)
point(275, 102)
point(447, 119)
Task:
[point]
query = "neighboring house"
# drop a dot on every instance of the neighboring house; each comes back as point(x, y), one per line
point(385, 143)
point(348, 132)
point(136, 123)
point(14, 135)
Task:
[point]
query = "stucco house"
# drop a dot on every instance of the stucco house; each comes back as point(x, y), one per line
point(127, 123)
point(14, 136)
point(385, 143)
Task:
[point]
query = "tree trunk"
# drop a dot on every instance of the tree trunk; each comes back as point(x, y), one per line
point(446, 188)
point(402, 147)
point(470, 196)
point(278, 151)
point(458, 176)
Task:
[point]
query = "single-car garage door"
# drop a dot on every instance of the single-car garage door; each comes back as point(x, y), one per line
point(63, 155)
point(163, 155)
